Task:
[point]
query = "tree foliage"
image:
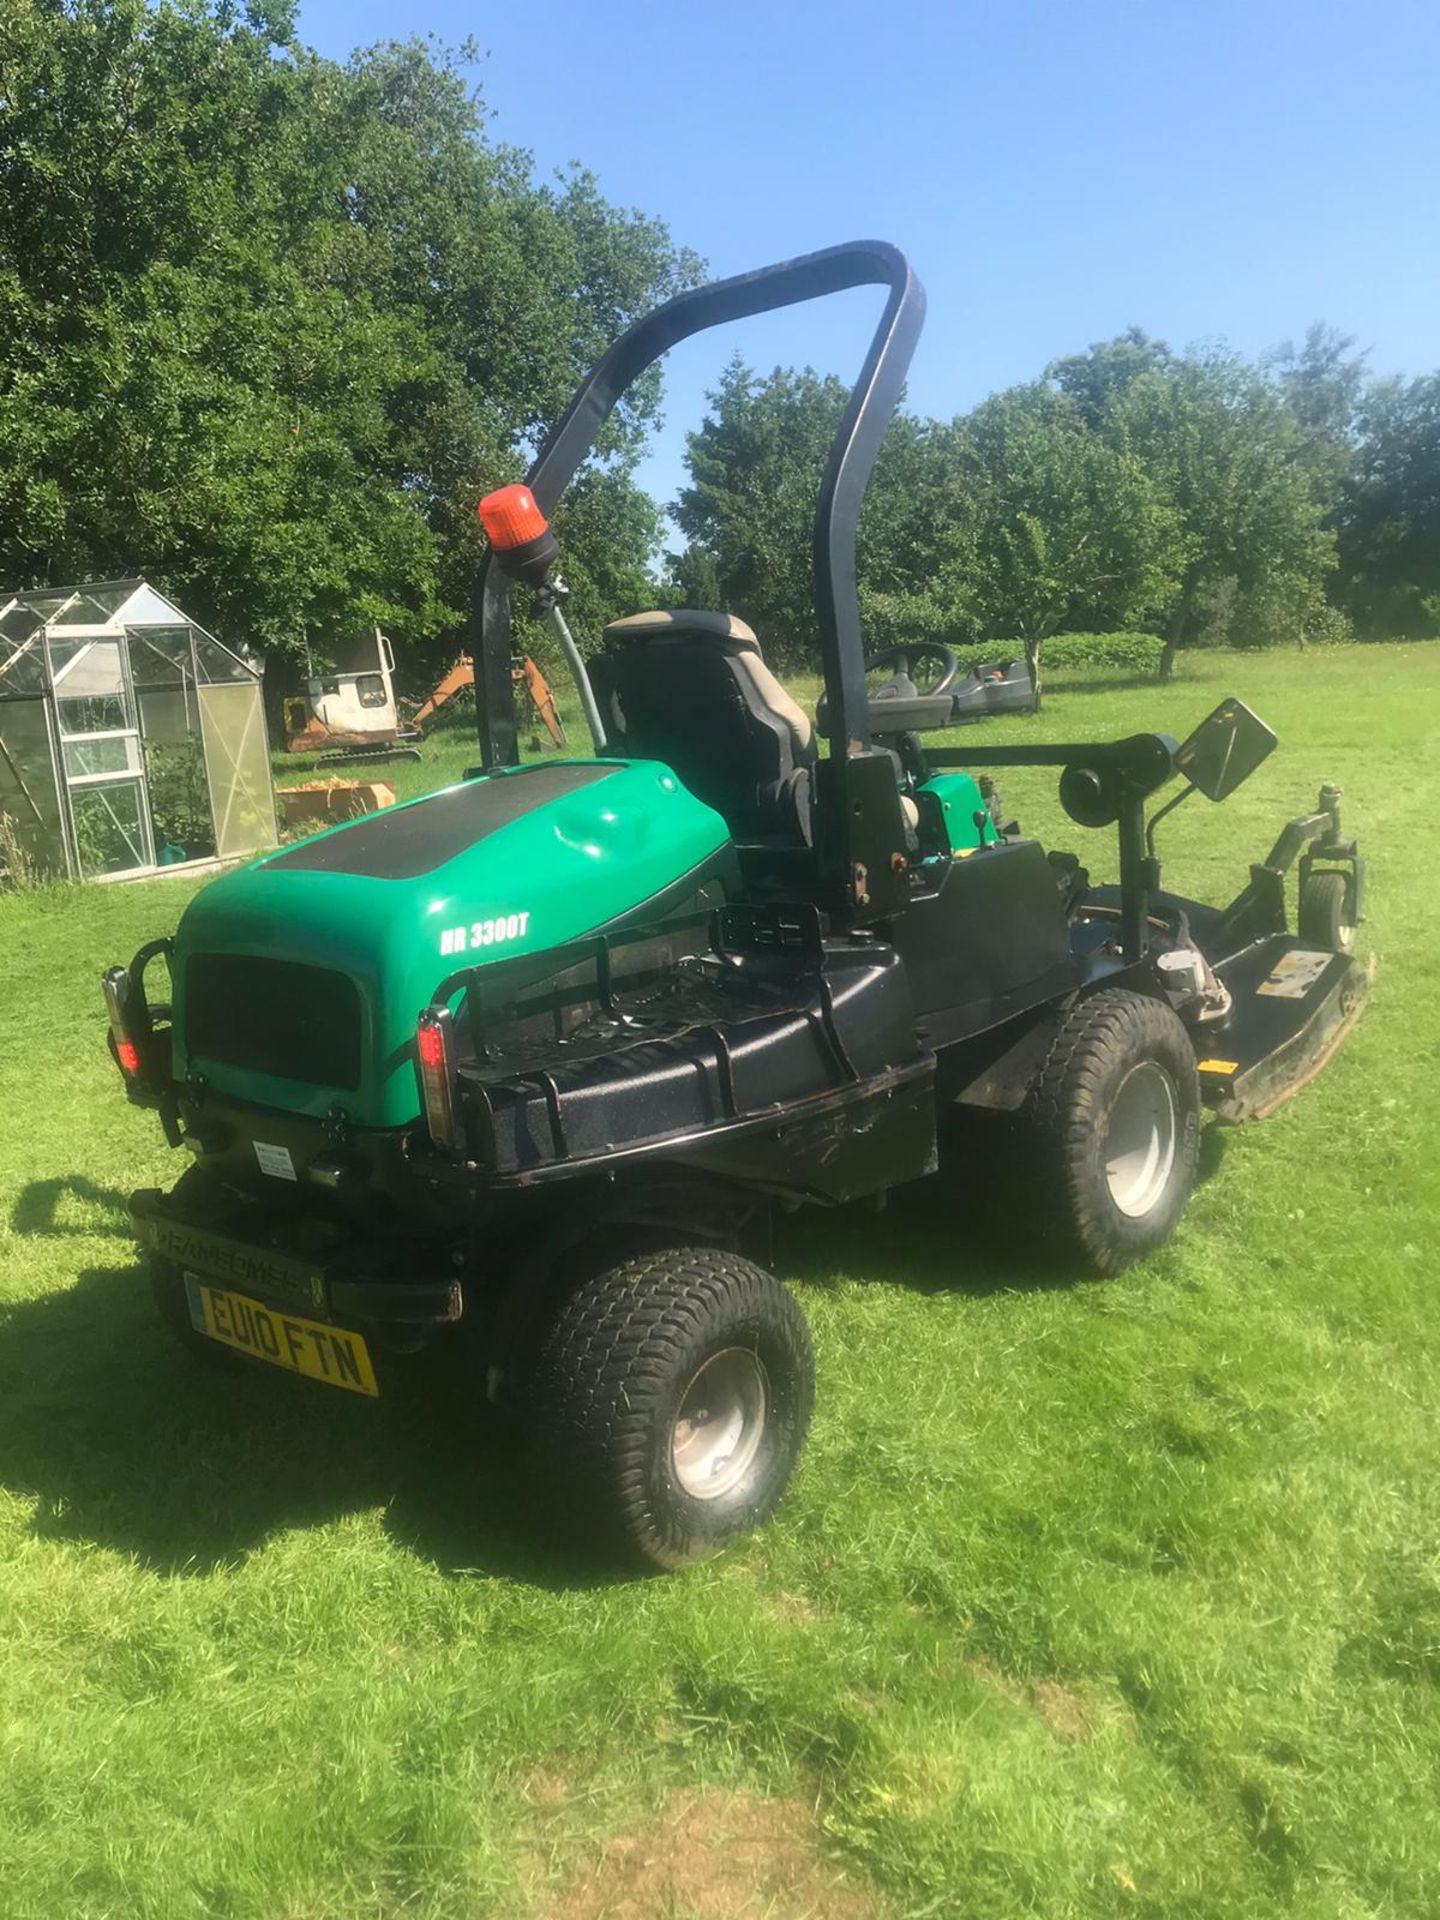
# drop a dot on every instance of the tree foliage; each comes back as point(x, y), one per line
point(1224, 451)
point(1389, 514)
point(269, 323)
point(1073, 530)
point(1129, 487)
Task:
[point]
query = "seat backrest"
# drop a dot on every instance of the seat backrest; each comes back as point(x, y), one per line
point(692, 690)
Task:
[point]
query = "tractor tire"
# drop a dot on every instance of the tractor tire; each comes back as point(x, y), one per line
point(167, 1284)
point(1111, 1131)
point(669, 1401)
point(1327, 914)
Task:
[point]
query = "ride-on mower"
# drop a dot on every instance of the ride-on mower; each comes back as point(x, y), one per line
point(521, 1068)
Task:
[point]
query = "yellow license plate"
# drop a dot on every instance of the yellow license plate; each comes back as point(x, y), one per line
point(332, 1354)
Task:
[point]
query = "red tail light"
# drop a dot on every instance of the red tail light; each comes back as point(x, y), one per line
point(115, 984)
point(435, 1070)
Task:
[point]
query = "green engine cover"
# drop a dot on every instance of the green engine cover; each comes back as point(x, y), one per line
point(506, 864)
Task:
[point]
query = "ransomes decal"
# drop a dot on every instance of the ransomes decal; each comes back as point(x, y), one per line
point(484, 933)
point(218, 1258)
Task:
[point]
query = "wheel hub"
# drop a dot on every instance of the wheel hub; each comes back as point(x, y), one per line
point(720, 1425)
point(1140, 1139)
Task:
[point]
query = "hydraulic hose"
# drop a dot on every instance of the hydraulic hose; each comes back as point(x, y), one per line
point(578, 674)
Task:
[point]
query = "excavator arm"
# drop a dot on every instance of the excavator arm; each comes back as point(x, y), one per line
point(461, 675)
point(525, 674)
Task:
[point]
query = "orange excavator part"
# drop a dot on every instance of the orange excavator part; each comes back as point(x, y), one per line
point(460, 676)
point(526, 674)
point(543, 701)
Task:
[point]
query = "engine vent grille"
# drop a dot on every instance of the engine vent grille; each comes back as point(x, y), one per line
point(273, 1016)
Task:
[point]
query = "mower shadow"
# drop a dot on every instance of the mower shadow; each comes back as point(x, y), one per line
point(125, 1441)
point(39, 1208)
point(962, 1230)
point(931, 1238)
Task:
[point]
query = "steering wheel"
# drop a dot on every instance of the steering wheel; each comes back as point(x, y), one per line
point(898, 659)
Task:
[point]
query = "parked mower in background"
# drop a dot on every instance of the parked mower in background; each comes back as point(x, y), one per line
point(351, 713)
point(524, 1067)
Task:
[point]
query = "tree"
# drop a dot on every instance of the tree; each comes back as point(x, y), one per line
point(271, 323)
point(755, 465)
point(1098, 380)
point(1389, 518)
point(1073, 532)
point(1321, 382)
point(692, 579)
point(1225, 453)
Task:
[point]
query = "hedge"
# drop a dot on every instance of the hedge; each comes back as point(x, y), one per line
point(1130, 652)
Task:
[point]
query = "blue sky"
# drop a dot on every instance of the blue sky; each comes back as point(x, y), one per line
point(1055, 172)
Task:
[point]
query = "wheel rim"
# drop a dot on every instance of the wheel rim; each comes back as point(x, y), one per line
point(721, 1423)
point(1140, 1139)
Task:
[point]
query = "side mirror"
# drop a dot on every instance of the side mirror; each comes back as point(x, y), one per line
point(1225, 749)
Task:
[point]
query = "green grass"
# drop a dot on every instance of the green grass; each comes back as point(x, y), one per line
point(1115, 1599)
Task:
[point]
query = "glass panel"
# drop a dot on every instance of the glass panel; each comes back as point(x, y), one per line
point(215, 663)
point(82, 667)
point(18, 624)
point(34, 826)
point(167, 717)
point(44, 604)
point(179, 800)
point(22, 668)
point(355, 653)
point(87, 611)
point(116, 753)
point(159, 656)
point(237, 764)
point(97, 715)
point(109, 827)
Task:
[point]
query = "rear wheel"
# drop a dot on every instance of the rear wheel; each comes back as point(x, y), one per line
point(1113, 1129)
point(670, 1400)
point(1327, 913)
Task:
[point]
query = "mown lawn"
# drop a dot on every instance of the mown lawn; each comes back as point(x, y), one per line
point(1095, 1600)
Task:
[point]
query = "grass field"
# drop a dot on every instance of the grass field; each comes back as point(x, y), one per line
point(1088, 1600)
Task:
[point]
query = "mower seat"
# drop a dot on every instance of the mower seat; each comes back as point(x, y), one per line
point(693, 690)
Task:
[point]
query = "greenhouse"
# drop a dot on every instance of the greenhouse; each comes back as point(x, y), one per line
point(130, 738)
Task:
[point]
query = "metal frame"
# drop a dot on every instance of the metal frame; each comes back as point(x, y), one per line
point(846, 791)
point(1125, 773)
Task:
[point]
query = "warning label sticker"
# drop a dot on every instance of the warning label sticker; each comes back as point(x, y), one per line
point(1294, 976)
point(274, 1160)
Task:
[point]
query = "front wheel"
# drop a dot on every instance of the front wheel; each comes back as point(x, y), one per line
point(1112, 1130)
point(670, 1400)
point(1327, 912)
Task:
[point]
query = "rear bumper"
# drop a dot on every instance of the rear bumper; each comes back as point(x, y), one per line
point(349, 1284)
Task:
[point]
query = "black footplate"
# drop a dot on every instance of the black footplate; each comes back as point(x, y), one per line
point(1292, 1007)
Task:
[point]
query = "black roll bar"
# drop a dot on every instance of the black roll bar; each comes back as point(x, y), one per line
point(872, 401)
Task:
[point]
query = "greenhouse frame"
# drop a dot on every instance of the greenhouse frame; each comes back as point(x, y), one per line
point(131, 740)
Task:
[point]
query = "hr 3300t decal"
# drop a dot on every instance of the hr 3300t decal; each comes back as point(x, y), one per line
point(495, 932)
